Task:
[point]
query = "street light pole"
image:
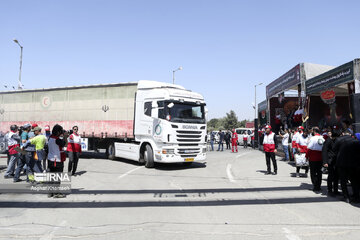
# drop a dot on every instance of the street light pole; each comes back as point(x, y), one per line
point(255, 122)
point(180, 68)
point(21, 53)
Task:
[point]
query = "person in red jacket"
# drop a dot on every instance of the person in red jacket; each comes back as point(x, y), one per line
point(234, 139)
point(314, 154)
point(74, 150)
point(270, 146)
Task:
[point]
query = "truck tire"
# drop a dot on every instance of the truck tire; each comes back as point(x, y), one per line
point(110, 151)
point(149, 157)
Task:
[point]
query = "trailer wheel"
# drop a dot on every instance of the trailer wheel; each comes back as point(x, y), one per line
point(110, 151)
point(149, 157)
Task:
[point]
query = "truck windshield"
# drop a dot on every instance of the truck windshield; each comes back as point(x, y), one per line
point(182, 112)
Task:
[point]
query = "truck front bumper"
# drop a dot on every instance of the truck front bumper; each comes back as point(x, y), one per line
point(174, 158)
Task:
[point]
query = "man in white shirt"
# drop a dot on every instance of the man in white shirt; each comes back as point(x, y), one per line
point(285, 143)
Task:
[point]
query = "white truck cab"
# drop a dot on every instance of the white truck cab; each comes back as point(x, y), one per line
point(169, 125)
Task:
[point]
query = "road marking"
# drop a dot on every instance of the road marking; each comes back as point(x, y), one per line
point(290, 235)
point(228, 168)
point(128, 172)
point(229, 173)
point(242, 154)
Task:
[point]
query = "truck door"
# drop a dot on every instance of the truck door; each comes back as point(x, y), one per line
point(146, 119)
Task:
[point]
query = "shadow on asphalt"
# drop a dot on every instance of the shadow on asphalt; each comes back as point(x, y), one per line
point(80, 173)
point(183, 193)
point(102, 156)
point(196, 191)
point(93, 155)
point(301, 175)
point(291, 163)
point(157, 203)
point(178, 166)
point(158, 166)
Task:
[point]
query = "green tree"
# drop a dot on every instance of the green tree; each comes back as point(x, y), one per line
point(242, 123)
point(212, 123)
point(221, 124)
point(216, 124)
point(231, 120)
point(226, 123)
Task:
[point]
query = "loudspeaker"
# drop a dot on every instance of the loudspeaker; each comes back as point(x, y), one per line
point(355, 110)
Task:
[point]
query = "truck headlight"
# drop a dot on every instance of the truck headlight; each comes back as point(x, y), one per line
point(204, 150)
point(168, 151)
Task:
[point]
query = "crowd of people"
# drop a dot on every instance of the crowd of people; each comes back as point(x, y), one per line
point(231, 140)
point(30, 151)
point(335, 150)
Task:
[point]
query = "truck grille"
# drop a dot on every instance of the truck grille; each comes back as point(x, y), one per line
point(188, 143)
point(188, 132)
point(183, 136)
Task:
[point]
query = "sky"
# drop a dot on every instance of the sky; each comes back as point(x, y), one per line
point(225, 46)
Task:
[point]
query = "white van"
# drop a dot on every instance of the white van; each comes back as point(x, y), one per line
point(217, 137)
point(241, 131)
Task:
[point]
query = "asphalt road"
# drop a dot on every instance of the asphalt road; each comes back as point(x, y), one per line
point(229, 197)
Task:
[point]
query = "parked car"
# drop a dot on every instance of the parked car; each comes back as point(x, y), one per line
point(216, 136)
point(241, 131)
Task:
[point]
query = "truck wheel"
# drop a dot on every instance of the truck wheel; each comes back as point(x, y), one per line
point(149, 157)
point(111, 151)
point(142, 159)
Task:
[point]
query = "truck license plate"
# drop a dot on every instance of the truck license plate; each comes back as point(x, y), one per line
point(189, 159)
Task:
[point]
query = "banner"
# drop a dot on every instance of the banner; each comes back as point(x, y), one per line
point(285, 82)
point(262, 106)
point(332, 78)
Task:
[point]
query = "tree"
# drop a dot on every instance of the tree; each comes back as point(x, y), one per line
point(231, 120)
point(215, 124)
point(242, 123)
point(212, 123)
point(226, 123)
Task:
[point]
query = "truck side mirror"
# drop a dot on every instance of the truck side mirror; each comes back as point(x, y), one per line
point(206, 113)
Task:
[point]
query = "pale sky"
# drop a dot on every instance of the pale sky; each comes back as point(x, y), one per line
point(224, 46)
